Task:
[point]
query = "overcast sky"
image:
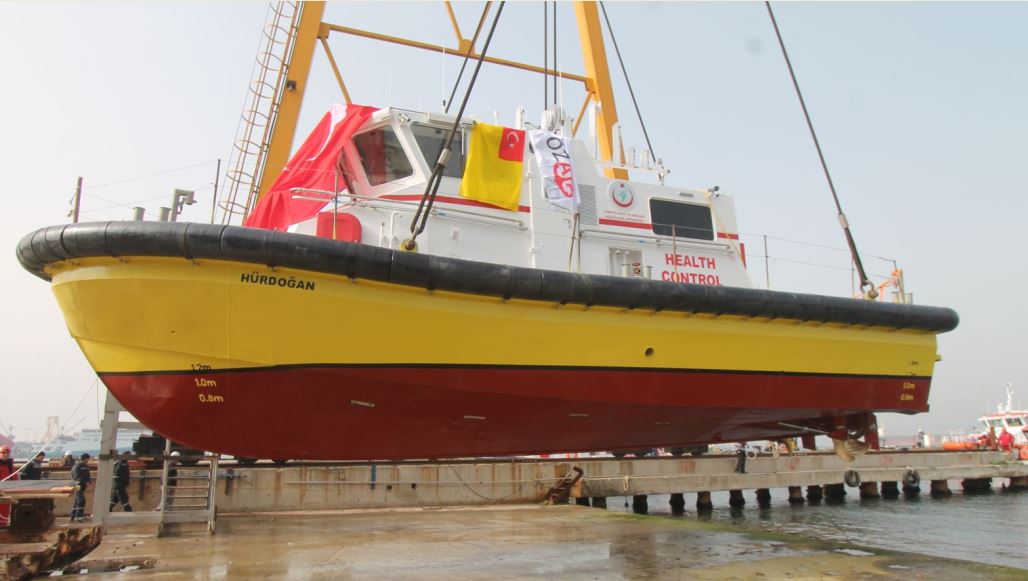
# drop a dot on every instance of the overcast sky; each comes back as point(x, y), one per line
point(922, 109)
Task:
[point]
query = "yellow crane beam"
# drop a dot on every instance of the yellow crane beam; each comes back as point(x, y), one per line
point(311, 29)
point(594, 55)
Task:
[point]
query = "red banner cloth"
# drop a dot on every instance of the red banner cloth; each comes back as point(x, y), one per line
point(313, 166)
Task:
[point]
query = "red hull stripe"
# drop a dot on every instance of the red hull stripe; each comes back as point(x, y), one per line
point(457, 201)
point(396, 412)
point(625, 224)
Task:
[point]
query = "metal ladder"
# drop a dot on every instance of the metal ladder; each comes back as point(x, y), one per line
point(263, 100)
point(188, 495)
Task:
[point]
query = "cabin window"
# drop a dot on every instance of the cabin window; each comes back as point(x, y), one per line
point(430, 141)
point(996, 423)
point(681, 220)
point(1014, 422)
point(382, 156)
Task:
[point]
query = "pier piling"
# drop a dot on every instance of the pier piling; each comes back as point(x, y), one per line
point(835, 492)
point(890, 490)
point(976, 485)
point(599, 502)
point(869, 490)
point(677, 503)
point(1018, 483)
point(640, 504)
point(736, 499)
point(940, 488)
point(582, 501)
point(763, 497)
point(815, 493)
point(795, 495)
point(703, 502)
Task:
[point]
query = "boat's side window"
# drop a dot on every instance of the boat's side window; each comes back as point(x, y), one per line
point(382, 156)
point(996, 423)
point(430, 141)
point(1014, 422)
point(681, 220)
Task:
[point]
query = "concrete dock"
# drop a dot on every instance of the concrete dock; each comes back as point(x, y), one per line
point(392, 485)
point(504, 542)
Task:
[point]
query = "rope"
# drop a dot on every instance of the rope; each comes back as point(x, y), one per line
point(432, 187)
point(627, 82)
point(870, 292)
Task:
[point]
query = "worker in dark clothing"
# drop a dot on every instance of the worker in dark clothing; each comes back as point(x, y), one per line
point(68, 461)
point(80, 474)
point(33, 470)
point(119, 490)
point(740, 454)
point(7, 472)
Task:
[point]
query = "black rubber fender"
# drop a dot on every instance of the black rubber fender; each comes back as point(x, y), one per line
point(851, 478)
point(303, 252)
point(911, 478)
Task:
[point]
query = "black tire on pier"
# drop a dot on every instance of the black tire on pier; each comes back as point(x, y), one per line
point(280, 461)
point(618, 454)
point(699, 450)
point(641, 453)
point(246, 461)
point(677, 451)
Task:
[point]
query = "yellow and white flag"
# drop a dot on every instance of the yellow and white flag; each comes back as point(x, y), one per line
point(493, 173)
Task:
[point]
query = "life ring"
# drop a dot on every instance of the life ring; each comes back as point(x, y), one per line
point(1023, 454)
point(851, 478)
point(911, 478)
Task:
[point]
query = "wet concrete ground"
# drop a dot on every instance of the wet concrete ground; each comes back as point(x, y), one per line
point(562, 542)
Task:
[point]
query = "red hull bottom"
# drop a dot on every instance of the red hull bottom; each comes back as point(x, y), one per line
point(401, 412)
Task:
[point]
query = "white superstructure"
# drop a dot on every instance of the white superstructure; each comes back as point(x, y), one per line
point(624, 228)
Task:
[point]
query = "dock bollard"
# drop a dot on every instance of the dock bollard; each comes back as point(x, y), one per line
point(795, 495)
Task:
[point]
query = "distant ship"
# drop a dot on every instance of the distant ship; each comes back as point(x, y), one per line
point(84, 441)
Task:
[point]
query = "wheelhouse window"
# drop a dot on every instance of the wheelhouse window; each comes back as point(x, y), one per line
point(681, 220)
point(430, 141)
point(382, 156)
point(1014, 422)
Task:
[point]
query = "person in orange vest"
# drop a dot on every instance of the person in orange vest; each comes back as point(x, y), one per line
point(7, 472)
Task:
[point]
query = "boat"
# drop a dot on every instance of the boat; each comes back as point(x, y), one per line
point(588, 312)
point(1007, 418)
point(87, 440)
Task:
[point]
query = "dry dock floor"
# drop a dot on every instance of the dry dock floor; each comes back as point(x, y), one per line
point(516, 542)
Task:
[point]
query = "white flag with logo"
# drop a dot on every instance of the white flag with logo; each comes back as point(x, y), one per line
point(553, 153)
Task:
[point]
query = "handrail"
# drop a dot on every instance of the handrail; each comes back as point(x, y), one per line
point(657, 239)
point(371, 203)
